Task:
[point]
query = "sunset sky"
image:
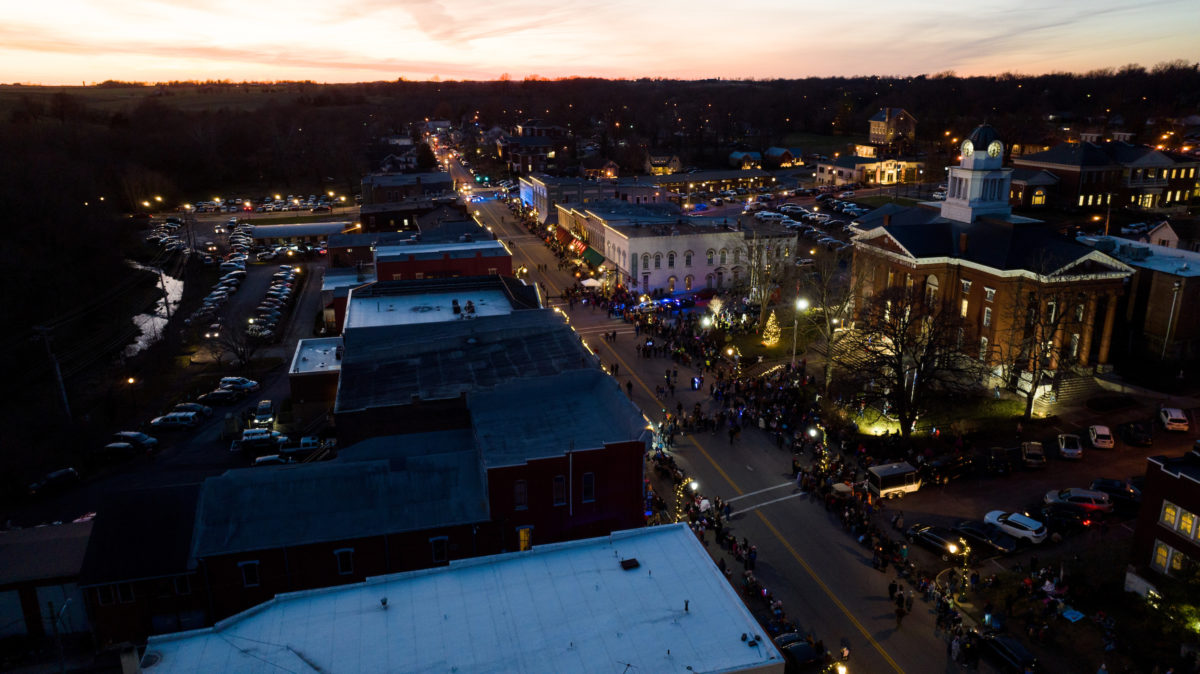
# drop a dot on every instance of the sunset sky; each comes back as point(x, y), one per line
point(76, 41)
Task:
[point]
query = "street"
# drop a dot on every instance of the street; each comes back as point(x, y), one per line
point(823, 576)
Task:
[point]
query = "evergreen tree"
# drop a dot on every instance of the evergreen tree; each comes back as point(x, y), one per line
point(770, 335)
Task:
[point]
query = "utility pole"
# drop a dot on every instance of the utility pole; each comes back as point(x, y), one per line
point(166, 296)
point(62, 389)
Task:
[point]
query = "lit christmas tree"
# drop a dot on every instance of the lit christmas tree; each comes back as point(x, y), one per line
point(770, 335)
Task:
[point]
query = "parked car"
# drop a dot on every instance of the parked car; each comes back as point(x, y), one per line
point(798, 654)
point(1173, 419)
point(1101, 437)
point(988, 537)
point(221, 396)
point(202, 410)
point(175, 421)
point(1069, 446)
point(940, 540)
point(1033, 455)
point(1017, 525)
point(1065, 520)
point(1080, 499)
point(1136, 434)
point(1007, 653)
point(943, 469)
point(272, 460)
point(146, 443)
point(848, 194)
point(54, 481)
point(1124, 495)
point(239, 384)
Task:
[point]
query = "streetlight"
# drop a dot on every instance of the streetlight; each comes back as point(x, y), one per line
point(801, 305)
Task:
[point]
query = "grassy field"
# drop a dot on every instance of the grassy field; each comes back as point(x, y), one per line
point(819, 143)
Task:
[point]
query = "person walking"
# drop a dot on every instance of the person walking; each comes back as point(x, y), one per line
point(908, 602)
point(899, 616)
point(892, 588)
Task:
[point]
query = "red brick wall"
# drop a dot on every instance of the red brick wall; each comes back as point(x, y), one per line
point(446, 267)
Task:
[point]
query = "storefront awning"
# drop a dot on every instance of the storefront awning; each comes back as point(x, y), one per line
point(593, 257)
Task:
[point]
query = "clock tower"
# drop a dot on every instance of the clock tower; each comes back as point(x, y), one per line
point(979, 185)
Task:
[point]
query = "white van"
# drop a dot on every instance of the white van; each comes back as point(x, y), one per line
point(768, 216)
point(893, 480)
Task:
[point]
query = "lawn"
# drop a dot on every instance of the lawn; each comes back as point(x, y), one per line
point(819, 143)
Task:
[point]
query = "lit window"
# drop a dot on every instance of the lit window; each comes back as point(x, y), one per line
point(983, 348)
point(345, 561)
point(560, 490)
point(1162, 556)
point(965, 306)
point(524, 538)
point(1170, 513)
point(709, 257)
point(1187, 521)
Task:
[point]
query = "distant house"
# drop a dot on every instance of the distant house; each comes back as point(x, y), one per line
point(662, 163)
point(868, 171)
point(745, 160)
point(892, 126)
point(1031, 187)
point(599, 168)
point(399, 161)
point(535, 146)
point(779, 157)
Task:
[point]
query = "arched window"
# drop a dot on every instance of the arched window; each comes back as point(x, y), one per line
point(658, 260)
point(931, 289)
point(670, 260)
point(645, 260)
point(737, 255)
point(722, 257)
point(709, 257)
point(687, 259)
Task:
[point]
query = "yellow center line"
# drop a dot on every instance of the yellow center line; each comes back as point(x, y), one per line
point(771, 527)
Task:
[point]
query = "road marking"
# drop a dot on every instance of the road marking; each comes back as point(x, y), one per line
point(771, 527)
point(776, 500)
point(1125, 525)
point(752, 493)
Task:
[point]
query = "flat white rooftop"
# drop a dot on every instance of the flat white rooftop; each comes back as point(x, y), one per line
point(452, 249)
point(317, 355)
point(373, 312)
point(568, 607)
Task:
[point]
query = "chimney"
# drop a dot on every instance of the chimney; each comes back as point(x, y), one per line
point(962, 243)
point(887, 219)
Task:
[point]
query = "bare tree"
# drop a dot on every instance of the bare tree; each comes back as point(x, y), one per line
point(830, 286)
point(904, 350)
point(237, 342)
point(766, 266)
point(1036, 317)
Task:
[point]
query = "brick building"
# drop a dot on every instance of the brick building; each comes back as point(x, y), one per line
point(1116, 174)
point(1007, 275)
point(379, 188)
point(1166, 538)
point(892, 126)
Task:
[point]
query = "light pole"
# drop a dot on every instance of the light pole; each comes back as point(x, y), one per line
point(801, 305)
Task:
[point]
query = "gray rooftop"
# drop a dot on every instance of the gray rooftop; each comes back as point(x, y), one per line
point(270, 507)
point(390, 365)
point(541, 417)
point(43, 553)
point(303, 229)
point(118, 549)
point(438, 178)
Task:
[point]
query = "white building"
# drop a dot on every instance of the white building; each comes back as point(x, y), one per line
point(644, 600)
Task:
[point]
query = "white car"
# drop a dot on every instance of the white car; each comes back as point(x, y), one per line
point(1069, 446)
point(238, 384)
point(1173, 419)
point(1101, 437)
point(1017, 525)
